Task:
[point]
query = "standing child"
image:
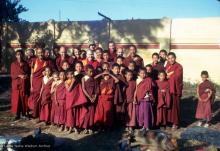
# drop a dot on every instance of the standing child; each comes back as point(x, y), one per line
point(90, 89)
point(70, 122)
point(129, 95)
point(79, 98)
point(206, 96)
point(145, 99)
point(53, 102)
point(45, 96)
point(60, 97)
point(104, 109)
point(163, 98)
point(119, 95)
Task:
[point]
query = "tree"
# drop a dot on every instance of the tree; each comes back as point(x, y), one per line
point(9, 12)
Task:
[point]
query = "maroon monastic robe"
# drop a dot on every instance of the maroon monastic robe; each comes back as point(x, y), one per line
point(104, 109)
point(91, 87)
point(45, 101)
point(144, 95)
point(163, 102)
point(38, 66)
point(19, 87)
point(130, 106)
point(60, 101)
point(119, 97)
point(203, 110)
point(176, 87)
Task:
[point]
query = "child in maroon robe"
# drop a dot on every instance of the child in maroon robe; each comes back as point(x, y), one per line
point(206, 96)
point(104, 109)
point(80, 110)
point(70, 120)
point(119, 95)
point(144, 98)
point(90, 89)
point(19, 71)
point(45, 96)
point(60, 98)
point(163, 98)
point(129, 95)
point(53, 101)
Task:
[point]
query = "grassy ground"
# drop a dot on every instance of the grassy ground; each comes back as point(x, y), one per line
point(107, 141)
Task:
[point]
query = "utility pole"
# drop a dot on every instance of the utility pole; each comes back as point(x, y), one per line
point(109, 24)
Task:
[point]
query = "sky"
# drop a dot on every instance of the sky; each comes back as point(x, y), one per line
point(83, 10)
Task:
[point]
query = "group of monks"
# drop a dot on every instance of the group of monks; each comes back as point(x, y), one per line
point(97, 89)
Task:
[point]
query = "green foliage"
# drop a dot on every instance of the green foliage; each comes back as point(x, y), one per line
point(10, 10)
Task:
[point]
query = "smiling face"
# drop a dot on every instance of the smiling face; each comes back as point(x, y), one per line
point(39, 53)
point(171, 59)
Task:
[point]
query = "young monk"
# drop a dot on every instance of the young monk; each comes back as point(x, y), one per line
point(156, 66)
point(19, 76)
point(53, 101)
point(60, 98)
point(38, 65)
point(163, 99)
point(45, 96)
point(129, 96)
point(90, 89)
point(132, 67)
point(119, 60)
point(144, 98)
point(119, 95)
point(175, 77)
point(65, 66)
point(70, 122)
point(79, 97)
point(206, 96)
point(104, 109)
point(106, 57)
